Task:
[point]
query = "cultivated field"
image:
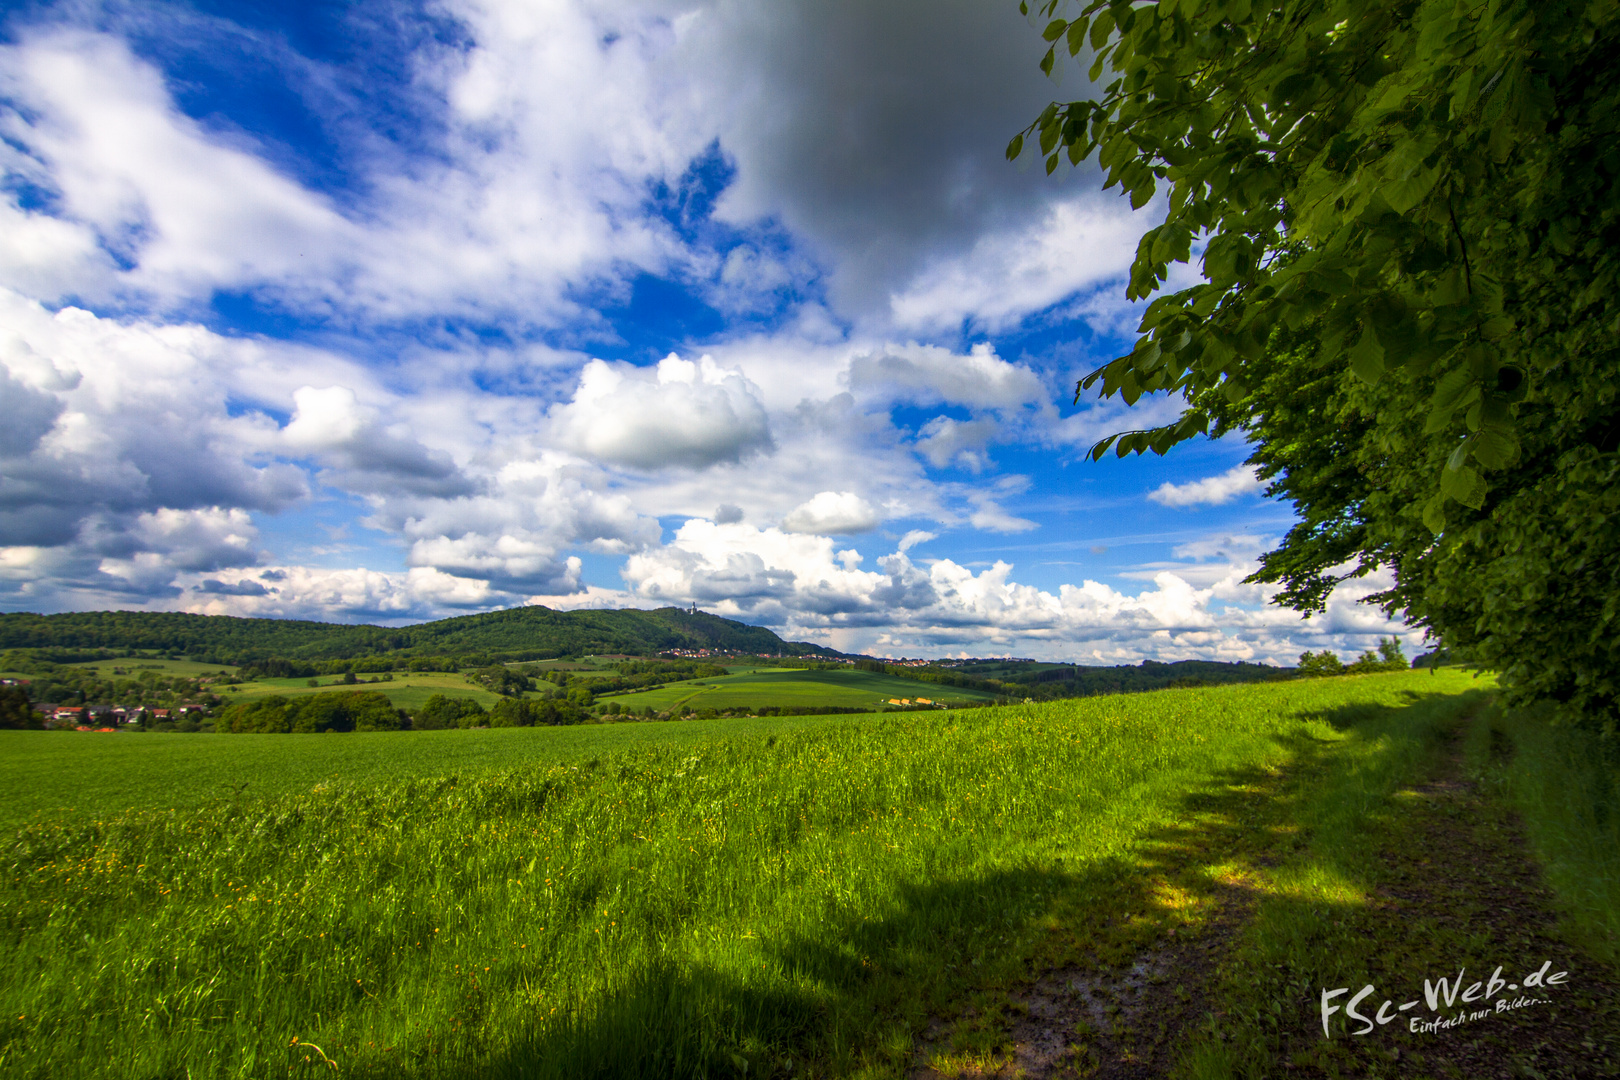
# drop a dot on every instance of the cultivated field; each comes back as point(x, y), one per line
point(728, 897)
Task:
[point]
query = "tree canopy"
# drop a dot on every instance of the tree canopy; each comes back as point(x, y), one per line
point(1404, 212)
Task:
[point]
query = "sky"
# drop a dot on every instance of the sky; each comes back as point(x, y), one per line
point(391, 311)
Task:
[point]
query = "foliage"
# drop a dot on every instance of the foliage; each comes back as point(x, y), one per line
point(499, 679)
point(666, 911)
point(1317, 664)
point(1389, 657)
point(516, 712)
point(1020, 679)
point(16, 711)
point(1408, 219)
point(277, 668)
point(357, 710)
point(135, 687)
point(442, 712)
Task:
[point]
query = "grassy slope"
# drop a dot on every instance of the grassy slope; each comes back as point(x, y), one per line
point(661, 910)
point(132, 666)
point(407, 690)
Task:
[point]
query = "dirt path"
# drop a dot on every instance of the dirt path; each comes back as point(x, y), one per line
point(1465, 892)
point(1455, 887)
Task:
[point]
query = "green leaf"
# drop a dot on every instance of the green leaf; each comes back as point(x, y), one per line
point(1403, 195)
point(1077, 35)
point(1434, 515)
point(1054, 29)
point(1015, 147)
point(1495, 448)
point(1367, 357)
point(1101, 27)
point(1463, 485)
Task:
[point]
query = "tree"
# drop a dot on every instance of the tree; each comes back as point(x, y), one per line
point(16, 711)
point(1315, 665)
point(1409, 221)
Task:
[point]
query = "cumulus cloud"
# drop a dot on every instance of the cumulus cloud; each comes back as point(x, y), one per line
point(563, 153)
point(806, 587)
point(875, 131)
point(931, 375)
point(1210, 491)
point(156, 189)
point(303, 592)
point(1078, 245)
point(109, 422)
point(331, 424)
point(832, 512)
point(679, 413)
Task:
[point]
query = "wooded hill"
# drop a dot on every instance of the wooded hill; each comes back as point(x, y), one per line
point(525, 633)
point(1042, 681)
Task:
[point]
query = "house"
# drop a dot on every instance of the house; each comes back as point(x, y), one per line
point(69, 712)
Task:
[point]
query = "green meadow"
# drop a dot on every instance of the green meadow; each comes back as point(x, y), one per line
point(707, 899)
point(407, 690)
point(62, 775)
point(134, 665)
point(758, 687)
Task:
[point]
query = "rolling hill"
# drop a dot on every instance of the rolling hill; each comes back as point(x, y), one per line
point(513, 634)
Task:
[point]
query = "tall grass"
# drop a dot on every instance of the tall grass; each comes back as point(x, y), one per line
point(1562, 783)
point(755, 903)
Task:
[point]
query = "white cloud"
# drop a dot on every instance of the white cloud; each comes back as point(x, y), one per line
point(1210, 491)
point(1076, 246)
point(930, 375)
point(832, 512)
point(945, 441)
point(685, 414)
point(331, 424)
point(915, 537)
point(807, 588)
point(301, 592)
point(152, 184)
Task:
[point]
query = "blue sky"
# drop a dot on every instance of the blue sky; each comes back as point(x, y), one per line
point(387, 312)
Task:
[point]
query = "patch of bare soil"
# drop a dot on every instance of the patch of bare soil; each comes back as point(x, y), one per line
point(1111, 1023)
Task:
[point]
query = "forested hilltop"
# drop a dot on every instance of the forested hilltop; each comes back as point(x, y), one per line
point(524, 633)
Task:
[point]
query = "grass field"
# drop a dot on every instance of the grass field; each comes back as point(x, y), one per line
point(134, 665)
point(408, 690)
point(56, 775)
point(739, 898)
point(756, 687)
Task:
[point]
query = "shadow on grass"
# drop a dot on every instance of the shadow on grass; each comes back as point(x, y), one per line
point(1357, 714)
point(865, 986)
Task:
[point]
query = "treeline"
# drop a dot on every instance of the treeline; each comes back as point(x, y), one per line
point(355, 710)
point(1389, 657)
point(524, 633)
point(1046, 682)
